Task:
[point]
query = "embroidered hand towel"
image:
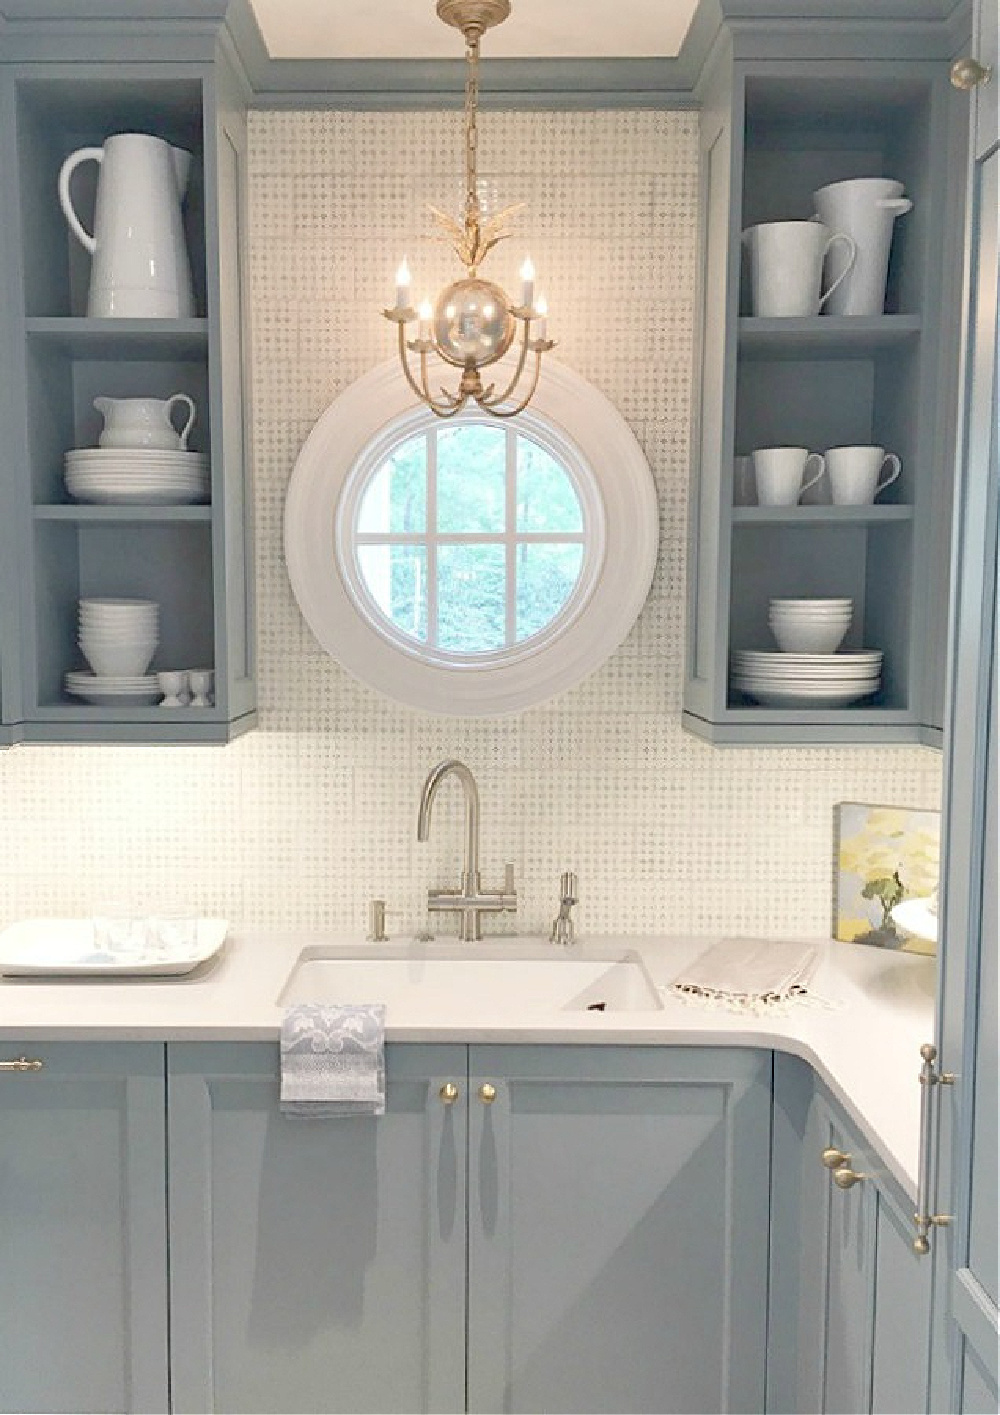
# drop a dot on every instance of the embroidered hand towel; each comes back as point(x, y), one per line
point(748, 975)
point(333, 1060)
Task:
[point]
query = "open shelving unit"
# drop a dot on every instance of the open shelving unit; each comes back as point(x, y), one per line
point(776, 132)
point(195, 560)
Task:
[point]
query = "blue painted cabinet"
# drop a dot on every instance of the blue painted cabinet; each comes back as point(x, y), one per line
point(83, 1248)
point(67, 84)
point(965, 1330)
point(616, 1230)
point(316, 1265)
point(850, 1299)
point(618, 1218)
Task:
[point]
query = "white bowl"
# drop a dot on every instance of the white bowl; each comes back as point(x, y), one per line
point(809, 637)
point(113, 606)
point(118, 660)
point(805, 606)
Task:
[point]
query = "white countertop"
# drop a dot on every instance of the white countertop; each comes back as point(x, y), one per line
point(864, 1045)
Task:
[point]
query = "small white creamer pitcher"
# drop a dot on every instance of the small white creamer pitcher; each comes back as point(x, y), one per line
point(140, 266)
point(144, 422)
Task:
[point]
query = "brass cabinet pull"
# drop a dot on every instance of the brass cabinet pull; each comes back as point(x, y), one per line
point(487, 1093)
point(930, 1079)
point(967, 73)
point(22, 1063)
point(448, 1093)
point(834, 1159)
point(846, 1178)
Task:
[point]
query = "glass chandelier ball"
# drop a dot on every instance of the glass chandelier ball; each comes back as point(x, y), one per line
point(472, 322)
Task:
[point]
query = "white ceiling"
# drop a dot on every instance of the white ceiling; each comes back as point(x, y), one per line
point(410, 29)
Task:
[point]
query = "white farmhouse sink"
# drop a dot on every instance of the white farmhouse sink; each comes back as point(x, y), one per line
point(511, 978)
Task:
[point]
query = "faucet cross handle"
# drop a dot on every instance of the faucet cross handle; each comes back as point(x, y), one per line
point(563, 929)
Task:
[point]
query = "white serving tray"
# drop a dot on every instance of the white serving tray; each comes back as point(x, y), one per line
point(65, 947)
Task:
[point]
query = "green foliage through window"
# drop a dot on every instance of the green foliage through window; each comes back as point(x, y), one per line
point(505, 549)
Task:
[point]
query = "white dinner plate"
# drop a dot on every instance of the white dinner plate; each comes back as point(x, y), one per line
point(98, 694)
point(134, 457)
point(771, 695)
point(917, 917)
point(756, 658)
point(66, 947)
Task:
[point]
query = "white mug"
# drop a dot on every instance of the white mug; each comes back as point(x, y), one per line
point(855, 473)
point(786, 266)
point(780, 473)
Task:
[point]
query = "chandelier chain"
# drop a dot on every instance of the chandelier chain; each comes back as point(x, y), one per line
point(472, 212)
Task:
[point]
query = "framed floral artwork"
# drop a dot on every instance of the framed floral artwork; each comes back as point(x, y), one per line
point(883, 856)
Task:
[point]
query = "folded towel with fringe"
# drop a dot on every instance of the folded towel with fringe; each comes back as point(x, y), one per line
point(749, 975)
point(333, 1060)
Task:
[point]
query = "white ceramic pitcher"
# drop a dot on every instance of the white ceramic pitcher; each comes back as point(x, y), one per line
point(144, 422)
point(140, 266)
point(786, 266)
point(866, 208)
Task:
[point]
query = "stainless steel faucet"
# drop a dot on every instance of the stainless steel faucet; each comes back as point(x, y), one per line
point(469, 901)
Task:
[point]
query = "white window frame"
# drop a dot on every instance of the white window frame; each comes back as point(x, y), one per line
point(587, 434)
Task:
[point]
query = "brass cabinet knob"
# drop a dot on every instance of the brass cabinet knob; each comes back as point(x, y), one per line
point(487, 1093)
point(448, 1093)
point(845, 1178)
point(834, 1159)
point(967, 73)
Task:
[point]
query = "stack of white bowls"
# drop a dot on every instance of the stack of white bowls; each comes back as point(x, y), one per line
point(118, 637)
point(808, 672)
point(809, 625)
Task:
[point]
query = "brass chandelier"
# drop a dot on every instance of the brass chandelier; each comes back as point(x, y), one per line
point(472, 323)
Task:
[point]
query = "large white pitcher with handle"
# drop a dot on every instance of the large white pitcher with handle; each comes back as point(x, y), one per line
point(140, 266)
point(866, 208)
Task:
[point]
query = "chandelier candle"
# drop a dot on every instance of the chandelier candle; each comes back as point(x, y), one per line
point(472, 323)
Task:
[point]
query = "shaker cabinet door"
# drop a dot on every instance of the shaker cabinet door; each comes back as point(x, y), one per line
point(618, 1229)
point(83, 1253)
point(316, 1264)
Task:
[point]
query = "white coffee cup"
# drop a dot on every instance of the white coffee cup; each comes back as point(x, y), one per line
point(781, 474)
point(786, 266)
point(856, 473)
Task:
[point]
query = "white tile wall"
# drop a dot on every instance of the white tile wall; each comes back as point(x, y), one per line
point(299, 824)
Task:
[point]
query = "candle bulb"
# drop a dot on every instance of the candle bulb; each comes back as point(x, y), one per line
point(541, 311)
point(403, 285)
point(527, 283)
point(425, 312)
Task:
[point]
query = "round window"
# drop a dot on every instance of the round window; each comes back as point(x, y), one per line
point(468, 566)
point(469, 541)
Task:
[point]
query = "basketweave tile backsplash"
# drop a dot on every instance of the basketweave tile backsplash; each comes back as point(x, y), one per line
point(299, 824)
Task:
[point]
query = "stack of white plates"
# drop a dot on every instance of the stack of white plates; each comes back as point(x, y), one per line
point(809, 625)
point(118, 637)
point(135, 690)
point(137, 475)
point(807, 679)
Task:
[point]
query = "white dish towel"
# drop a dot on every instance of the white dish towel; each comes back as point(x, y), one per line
point(333, 1059)
point(749, 975)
